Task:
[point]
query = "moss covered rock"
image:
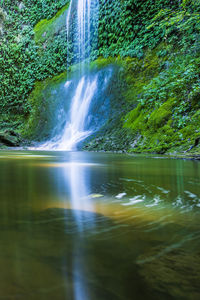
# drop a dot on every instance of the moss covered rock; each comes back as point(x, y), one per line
point(45, 30)
point(161, 115)
point(44, 101)
point(9, 138)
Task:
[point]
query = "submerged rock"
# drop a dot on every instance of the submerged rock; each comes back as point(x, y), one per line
point(175, 273)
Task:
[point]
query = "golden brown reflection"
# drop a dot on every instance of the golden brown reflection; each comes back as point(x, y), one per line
point(101, 222)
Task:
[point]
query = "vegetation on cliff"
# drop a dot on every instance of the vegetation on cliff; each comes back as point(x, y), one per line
point(156, 43)
point(163, 78)
point(20, 61)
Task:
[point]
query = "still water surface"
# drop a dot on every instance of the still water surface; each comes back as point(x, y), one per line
point(91, 226)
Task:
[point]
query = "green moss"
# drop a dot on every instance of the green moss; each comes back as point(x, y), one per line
point(95, 65)
point(161, 115)
point(134, 118)
point(139, 72)
point(158, 134)
point(46, 29)
point(57, 79)
point(102, 62)
point(43, 103)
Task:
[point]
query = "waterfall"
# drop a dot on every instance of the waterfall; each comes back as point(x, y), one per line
point(82, 110)
point(74, 130)
point(85, 13)
point(81, 27)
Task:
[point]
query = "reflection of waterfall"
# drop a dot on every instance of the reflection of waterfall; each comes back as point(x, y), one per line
point(80, 201)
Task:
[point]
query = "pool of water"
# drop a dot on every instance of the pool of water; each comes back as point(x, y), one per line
point(87, 226)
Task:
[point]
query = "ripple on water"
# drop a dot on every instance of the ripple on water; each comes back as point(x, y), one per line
point(135, 200)
point(120, 195)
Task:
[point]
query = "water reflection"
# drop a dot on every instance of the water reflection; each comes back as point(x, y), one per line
point(77, 179)
point(98, 226)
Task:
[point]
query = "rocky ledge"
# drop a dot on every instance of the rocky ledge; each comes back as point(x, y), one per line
point(10, 138)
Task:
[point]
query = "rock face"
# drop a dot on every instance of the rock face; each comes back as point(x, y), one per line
point(9, 138)
point(3, 17)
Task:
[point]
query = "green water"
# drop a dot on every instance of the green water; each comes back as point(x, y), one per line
point(84, 226)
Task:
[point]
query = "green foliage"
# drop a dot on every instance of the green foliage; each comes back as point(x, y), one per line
point(123, 26)
point(157, 44)
point(168, 112)
point(17, 72)
point(22, 61)
point(181, 81)
point(180, 27)
point(128, 27)
point(30, 12)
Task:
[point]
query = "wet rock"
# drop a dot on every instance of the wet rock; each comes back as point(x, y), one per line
point(9, 138)
point(21, 6)
point(196, 143)
point(135, 142)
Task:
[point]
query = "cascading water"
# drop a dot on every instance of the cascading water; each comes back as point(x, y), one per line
point(81, 26)
point(74, 130)
point(83, 108)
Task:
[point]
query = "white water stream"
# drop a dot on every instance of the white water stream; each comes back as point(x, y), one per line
point(84, 14)
point(74, 130)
